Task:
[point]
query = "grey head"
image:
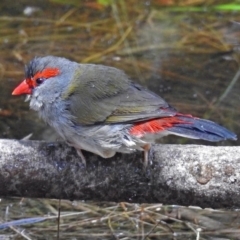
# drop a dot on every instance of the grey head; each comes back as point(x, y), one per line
point(47, 77)
point(38, 64)
point(49, 74)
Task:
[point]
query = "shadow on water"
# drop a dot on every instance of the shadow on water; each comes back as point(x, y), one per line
point(190, 58)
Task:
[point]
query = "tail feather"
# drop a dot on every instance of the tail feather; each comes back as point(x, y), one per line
point(197, 128)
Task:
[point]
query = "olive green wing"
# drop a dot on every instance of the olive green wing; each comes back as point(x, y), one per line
point(100, 94)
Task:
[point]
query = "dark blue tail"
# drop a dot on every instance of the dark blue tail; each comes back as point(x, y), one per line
point(201, 129)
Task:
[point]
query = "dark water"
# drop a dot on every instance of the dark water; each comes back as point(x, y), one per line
point(189, 58)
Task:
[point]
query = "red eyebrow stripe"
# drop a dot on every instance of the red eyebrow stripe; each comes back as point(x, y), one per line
point(47, 73)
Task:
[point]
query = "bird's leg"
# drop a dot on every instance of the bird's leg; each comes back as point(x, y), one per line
point(146, 149)
point(80, 154)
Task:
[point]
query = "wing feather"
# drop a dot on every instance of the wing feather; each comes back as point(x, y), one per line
point(100, 94)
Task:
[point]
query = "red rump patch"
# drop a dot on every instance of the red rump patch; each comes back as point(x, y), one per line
point(155, 125)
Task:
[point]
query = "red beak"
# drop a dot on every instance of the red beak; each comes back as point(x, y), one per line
point(22, 88)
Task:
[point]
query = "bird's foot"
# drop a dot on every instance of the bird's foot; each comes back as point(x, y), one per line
point(83, 159)
point(146, 149)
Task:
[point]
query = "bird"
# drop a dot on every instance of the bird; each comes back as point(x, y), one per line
point(100, 109)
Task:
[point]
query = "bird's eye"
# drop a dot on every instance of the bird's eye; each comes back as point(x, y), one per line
point(39, 81)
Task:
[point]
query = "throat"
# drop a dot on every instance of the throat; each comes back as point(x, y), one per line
point(35, 103)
